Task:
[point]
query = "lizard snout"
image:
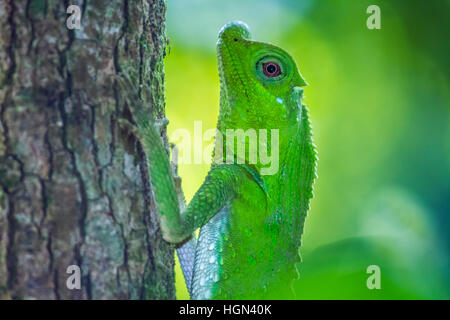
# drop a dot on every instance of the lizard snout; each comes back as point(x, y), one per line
point(235, 30)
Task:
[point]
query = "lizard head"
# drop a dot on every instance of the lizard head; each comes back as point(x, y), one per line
point(256, 80)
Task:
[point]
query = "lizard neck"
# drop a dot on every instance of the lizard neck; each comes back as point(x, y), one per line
point(290, 190)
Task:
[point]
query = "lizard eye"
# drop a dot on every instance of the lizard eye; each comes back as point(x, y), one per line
point(271, 69)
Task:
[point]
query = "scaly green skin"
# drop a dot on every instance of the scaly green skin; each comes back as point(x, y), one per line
point(251, 223)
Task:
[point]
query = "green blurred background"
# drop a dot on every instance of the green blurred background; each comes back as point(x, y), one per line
point(380, 106)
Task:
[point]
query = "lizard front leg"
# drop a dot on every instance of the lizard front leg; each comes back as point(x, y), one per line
point(219, 187)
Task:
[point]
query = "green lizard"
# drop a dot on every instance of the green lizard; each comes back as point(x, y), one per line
point(251, 221)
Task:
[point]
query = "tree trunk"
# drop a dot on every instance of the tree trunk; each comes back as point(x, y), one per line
point(74, 188)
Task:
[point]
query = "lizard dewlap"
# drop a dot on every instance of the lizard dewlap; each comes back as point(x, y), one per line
point(250, 211)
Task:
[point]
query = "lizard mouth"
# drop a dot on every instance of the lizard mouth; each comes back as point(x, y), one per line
point(230, 33)
point(231, 36)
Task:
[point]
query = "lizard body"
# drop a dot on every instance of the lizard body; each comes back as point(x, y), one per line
point(251, 221)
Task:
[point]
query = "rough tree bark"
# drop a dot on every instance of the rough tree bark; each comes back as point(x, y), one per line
point(74, 188)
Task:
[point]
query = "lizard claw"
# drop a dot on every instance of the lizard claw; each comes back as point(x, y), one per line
point(128, 126)
point(161, 124)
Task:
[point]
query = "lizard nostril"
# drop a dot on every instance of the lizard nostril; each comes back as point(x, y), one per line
point(235, 39)
point(235, 30)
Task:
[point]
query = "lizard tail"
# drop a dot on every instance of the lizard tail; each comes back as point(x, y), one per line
point(186, 255)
